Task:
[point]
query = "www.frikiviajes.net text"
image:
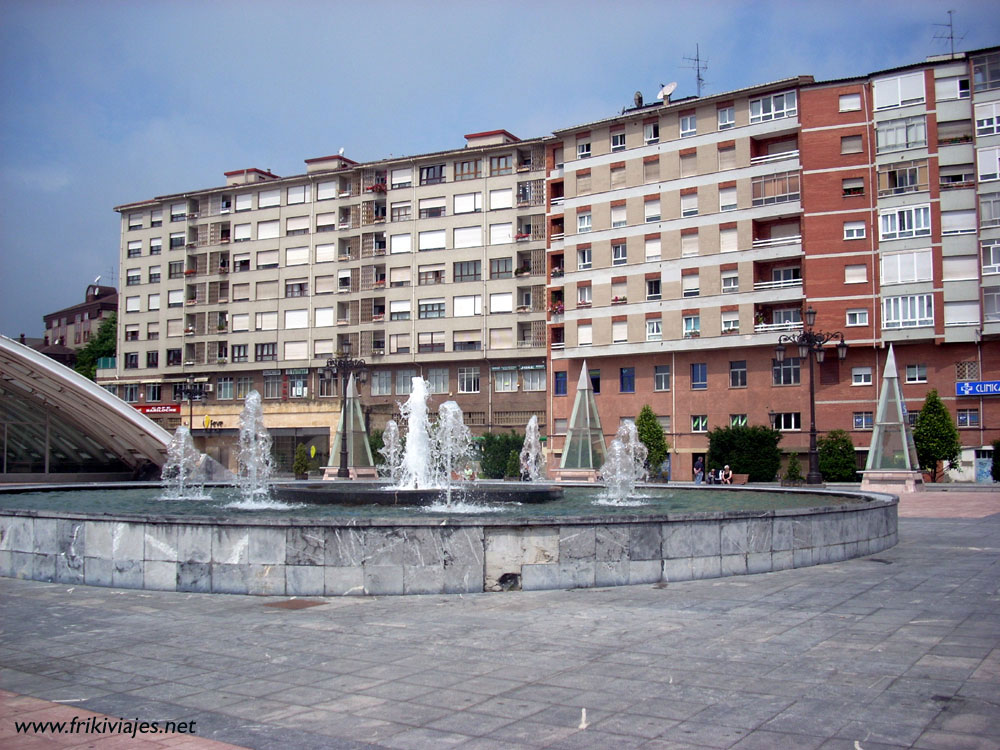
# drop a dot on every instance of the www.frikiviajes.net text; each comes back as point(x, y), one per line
point(103, 725)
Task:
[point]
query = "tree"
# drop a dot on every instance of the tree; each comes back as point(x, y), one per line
point(513, 468)
point(651, 435)
point(300, 464)
point(793, 472)
point(104, 344)
point(748, 449)
point(936, 436)
point(837, 460)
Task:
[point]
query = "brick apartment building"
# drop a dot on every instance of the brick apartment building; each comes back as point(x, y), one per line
point(669, 247)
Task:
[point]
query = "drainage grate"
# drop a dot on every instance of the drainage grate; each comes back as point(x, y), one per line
point(295, 604)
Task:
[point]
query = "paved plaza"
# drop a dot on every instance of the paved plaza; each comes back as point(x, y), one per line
point(896, 650)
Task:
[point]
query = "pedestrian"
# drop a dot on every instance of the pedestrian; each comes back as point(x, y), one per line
point(699, 470)
point(727, 475)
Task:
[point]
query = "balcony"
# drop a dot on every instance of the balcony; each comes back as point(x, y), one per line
point(777, 327)
point(781, 284)
point(778, 241)
point(780, 156)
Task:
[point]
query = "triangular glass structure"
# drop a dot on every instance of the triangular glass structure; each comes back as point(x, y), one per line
point(584, 440)
point(359, 453)
point(892, 446)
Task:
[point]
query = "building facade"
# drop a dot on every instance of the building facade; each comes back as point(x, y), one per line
point(669, 248)
point(73, 326)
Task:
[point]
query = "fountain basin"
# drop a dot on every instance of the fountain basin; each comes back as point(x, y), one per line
point(339, 554)
point(370, 493)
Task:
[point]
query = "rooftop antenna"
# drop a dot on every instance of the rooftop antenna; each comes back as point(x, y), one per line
point(699, 66)
point(947, 32)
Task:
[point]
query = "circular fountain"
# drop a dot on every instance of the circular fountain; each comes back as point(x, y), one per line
point(429, 532)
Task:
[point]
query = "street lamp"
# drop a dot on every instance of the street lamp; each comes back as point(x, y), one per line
point(343, 367)
point(811, 341)
point(190, 391)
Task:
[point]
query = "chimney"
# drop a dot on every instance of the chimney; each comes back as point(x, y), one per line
point(21, 338)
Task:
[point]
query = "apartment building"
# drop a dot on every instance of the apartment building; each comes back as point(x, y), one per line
point(73, 326)
point(686, 237)
point(669, 247)
point(431, 265)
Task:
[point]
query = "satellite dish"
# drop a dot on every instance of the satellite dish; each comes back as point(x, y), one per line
point(97, 279)
point(637, 99)
point(341, 152)
point(666, 91)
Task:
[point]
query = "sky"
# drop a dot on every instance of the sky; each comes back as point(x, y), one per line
point(109, 102)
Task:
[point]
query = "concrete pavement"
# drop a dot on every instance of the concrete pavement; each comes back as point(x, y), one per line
point(897, 650)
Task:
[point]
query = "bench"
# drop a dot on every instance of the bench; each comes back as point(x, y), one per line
point(740, 478)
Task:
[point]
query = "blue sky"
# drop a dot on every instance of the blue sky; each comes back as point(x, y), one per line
point(104, 103)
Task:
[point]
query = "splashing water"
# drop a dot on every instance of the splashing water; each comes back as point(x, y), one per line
point(256, 465)
point(182, 473)
point(451, 445)
point(392, 452)
point(417, 472)
point(532, 458)
point(626, 464)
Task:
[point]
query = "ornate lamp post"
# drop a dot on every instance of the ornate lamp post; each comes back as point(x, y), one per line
point(343, 367)
point(189, 391)
point(811, 342)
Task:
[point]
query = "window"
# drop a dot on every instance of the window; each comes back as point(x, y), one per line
point(738, 420)
point(861, 376)
point(503, 198)
point(689, 165)
point(727, 118)
point(651, 169)
point(651, 210)
point(651, 133)
point(731, 321)
point(851, 186)
point(156, 246)
point(729, 240)
point(583, 150)
point(988, 160)
point(467, 306)
point(583, 296)
point(654, 329)
point(690, 285)
point(432, 175)
point(908, 311)
point(268, 230)
point(583, 181)
point(584, 334)
point(176, 240)
point(786, 372)
point(469, 270)
point(468, 380)
point(431, 240)
point(583, 258)
point(699, 423)
point(727, 199)
point(699, 376)
point(175, 298)
point(297, 288)
point(559, 383)
point(619, 254)
point(991, 256)
point(133, 277)
point(626, 380)
point(152, 361)
point(131, 360)
point(265, 352)
point(727, 158)
point(134, 249)
point(432, 208)
point(689, 204)
point(738, 374)
point(595, 381)
point(653, 289)
point(501, 234)
point(467, 203)
point(850, 102)
point(296, 225)
point(953, 87)
point(851, 144)
point(399, 309)
point(533, 380)
point(857, 317)
point(986, 72)
point(692, 326)
point(266, 321)
point(505, 381)
point(430, 308)
point(788, 420)
point(916, 373)
point(501, 165)
point(906, 132)
point(401, 211)
point(618, 217)
point(430, 341)
point(854, 230)
point(966, 417)
point(618, 141)
point(991, 303)
point(619, 331)
point(777, 188)
point(901, 268)
point(661, 378)
point(902, 177)
point(989, 210)
point(501, 268)
point(773, 107)
point(689, 125)
point(583, 222)
point(899, 91)
point(864, 420)
point(381, 383)
point(906, 221)
point(502, 302)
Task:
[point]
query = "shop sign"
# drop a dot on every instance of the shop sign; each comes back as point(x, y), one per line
point(978, 388)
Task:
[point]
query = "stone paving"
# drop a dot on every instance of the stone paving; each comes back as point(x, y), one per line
point(896, 650)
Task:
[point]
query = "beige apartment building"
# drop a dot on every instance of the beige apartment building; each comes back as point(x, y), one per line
point(431, 265)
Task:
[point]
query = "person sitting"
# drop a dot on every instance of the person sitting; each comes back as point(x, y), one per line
point(727, 475)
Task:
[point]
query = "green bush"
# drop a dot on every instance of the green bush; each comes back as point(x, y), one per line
point(513, 468)
point(750, 449)
point(793, 472)
point(651, 435)
point(494, 452)
point(837, 459)
point(300, 465)
point(375, 444)
point(936, 436)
